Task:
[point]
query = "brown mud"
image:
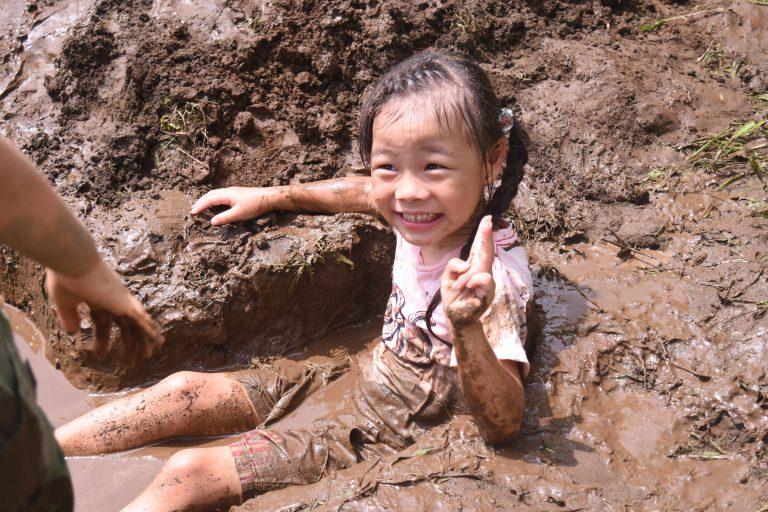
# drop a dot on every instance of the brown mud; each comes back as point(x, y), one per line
point(647, 231)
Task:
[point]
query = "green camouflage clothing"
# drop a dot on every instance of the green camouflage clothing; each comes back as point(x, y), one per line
point(33, 474)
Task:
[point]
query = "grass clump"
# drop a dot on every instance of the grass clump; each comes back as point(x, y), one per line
point(187, 122)
point(736, 151)
point(471, 27)
point(184, 127)
point(315, 258)
point(656, 25)
point(715, 59)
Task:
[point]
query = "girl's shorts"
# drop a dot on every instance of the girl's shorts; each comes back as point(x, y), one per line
point(269, 458)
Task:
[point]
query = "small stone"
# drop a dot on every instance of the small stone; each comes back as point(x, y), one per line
point(244, 124)
point(303, 78)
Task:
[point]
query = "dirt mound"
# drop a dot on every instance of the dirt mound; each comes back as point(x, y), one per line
point(644, 196)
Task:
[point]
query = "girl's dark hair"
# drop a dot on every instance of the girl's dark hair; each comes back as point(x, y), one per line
point(472, 102)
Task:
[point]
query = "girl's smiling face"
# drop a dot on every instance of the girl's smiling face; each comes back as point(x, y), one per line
point(428, 177)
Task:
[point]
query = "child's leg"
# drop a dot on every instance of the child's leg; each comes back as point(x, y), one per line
point(180, 404)
point(192, 479)
point(263, 460)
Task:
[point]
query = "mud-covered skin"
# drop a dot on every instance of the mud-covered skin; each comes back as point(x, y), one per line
point(340, 195)
point(491, 389)
point(493, 394)
point(183, 404)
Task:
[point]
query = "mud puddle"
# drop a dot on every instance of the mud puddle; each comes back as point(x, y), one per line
point(609, 418)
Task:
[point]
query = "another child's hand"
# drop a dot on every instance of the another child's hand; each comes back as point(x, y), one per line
point(467, 287)
point(108, 300)
point(245, 203)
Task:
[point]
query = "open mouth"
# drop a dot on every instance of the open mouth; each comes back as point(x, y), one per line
point(419, 220)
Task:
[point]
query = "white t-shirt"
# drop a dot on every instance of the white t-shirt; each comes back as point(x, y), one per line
point(414, 284)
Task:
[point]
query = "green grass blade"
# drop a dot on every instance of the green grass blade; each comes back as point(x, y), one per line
point(709, 142)
point(650, 27)
point(746, 129)
point(730, 181)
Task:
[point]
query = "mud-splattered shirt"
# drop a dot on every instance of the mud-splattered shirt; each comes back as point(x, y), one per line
point(429, 358)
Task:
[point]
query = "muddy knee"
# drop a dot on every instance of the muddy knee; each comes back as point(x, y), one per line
point(206, 403)
point(182, 383)
point(199, 476)
point(187, 466)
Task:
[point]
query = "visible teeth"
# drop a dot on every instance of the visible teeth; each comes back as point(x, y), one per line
point(424, 217)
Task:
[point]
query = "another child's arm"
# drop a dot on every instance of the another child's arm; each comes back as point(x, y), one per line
point(350, 194)
point(493, 389)
point(35, 222)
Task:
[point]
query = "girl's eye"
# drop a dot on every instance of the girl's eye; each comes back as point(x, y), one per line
point(385, 167)
point(434, 167)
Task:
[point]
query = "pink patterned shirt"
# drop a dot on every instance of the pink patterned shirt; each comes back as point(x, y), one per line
point(405, 333)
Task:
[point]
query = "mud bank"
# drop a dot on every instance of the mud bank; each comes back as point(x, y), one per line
point(222, 296)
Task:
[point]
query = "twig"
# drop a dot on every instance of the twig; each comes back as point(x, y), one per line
point(577, 288)
point(632, 377)
point(190, 156)
point(362, 477)
point(698, 375)
point(756, 279)
point(635, 252)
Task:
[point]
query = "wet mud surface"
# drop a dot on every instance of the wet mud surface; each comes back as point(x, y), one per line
point(644, 210)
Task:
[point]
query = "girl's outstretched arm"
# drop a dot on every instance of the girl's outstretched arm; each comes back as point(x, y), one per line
point(492, 389)
point(350, 194)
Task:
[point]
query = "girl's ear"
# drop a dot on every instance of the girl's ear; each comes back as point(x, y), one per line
point(498, 157)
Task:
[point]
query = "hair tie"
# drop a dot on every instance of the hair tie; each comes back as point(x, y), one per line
point(507, 119)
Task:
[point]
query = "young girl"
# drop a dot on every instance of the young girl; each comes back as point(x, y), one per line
point(445, 163)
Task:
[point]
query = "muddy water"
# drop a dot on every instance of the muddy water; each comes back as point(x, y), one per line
point(101, 483)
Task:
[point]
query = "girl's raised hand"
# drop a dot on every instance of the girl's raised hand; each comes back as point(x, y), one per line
point(245, 203)
point(467, 287)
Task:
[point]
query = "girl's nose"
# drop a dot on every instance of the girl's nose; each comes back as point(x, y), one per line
point(411, 188)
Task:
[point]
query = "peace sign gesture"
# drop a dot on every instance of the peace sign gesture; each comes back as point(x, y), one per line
point(467, 287)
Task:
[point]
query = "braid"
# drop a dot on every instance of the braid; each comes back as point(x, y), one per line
point(517, 156)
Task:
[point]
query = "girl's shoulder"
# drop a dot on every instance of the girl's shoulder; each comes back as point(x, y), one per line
point(510, 262)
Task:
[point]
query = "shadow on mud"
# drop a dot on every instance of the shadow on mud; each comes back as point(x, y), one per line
point(559, 310)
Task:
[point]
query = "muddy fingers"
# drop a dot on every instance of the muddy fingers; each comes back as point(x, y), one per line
point(148, 333)
point(131, 339)
point(102, 328)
